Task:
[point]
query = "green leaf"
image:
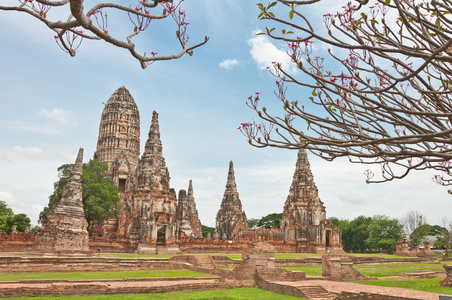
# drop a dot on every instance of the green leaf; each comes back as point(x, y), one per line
point(291, 14)
point(271, 14)
point(289, 32)
point(438, 23)
point(261, 33)
point(387, 2)
point(314, 93)
point(260, 5)
point(272, 4)
point(374, 21)
point(364, 16)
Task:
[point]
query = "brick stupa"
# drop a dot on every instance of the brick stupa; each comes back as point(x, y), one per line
point(65, 227)
point(230, 218)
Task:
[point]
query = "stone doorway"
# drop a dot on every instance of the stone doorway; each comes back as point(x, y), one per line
point(328, 238)
point(122, 185)
point(161, 235)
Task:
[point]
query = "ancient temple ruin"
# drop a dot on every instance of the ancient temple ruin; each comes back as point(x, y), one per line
point(230, 218)
point(65, 227)
point(149, 214)
point(152, 218)
point(304, 216)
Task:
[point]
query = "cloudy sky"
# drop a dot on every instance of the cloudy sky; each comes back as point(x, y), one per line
point(50, 105)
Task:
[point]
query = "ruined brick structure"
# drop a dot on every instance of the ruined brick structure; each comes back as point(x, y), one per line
point(152, 219)
point(230, 218)
point(65, 227)
point(304, 217)
point(149, 215)
point(190, 224)
point(304, 227)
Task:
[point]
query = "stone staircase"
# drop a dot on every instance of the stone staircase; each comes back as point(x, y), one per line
point(316, 292)
point(205, 262)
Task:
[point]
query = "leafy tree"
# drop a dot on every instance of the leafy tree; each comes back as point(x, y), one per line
point(384, 233)
point(8, 219)
point(100, 198)
point(435, 230)
point(270, 221)
point(205, 230)
point(5, 211)
point(415, 226)
point(382, 93)
point(355, 234)
point(252, 223)
point(88, 20)
point(369, 233)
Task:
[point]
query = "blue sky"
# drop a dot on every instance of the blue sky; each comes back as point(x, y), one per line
point(50, 105)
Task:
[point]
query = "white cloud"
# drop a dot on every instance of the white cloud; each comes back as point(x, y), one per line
point(265, 53)
point(8, 198)
point(57, 114)
point(29, 152)
point(229, 63)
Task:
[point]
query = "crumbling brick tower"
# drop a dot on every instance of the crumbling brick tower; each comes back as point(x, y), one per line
point(304, 218)
point(190, 225)
point(149, 210)
point(65, 227)
point(230, 218)
point(118, 143)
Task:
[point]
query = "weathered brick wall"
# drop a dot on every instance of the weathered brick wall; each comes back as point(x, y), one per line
point(112, 244)
point(16, 241)
point(18, 264)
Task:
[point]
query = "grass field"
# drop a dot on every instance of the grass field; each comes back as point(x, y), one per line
point(397, 269)
point(102, 275)
point(422, 284)
point(384, 270)
point(229, 294)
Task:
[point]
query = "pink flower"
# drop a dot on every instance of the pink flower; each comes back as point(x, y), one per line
point(153, 53)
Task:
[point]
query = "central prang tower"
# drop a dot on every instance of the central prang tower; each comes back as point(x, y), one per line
point(119, 138)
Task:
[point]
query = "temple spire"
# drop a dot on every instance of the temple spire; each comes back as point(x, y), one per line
point(153, 144)
point(231, 186)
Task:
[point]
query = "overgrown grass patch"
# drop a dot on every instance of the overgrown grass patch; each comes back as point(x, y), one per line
point(421, 284)
point(309, 270)
point(229, 294)
point(385, 270)
point(102, 275)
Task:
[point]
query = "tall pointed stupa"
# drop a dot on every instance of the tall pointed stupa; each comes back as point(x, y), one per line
point(152, 204)
point(303, 205)
point(230, 218)
point(65, 226)
point(304, 220)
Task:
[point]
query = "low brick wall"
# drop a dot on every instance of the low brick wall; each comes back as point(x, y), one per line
point(16, 241)
point(107, 287)
point(18, 264)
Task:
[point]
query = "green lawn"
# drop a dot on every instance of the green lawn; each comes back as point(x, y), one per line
point(386, 270)
point(229, 294)
point(102, 275)
point(383, 270)
point(422, 284)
